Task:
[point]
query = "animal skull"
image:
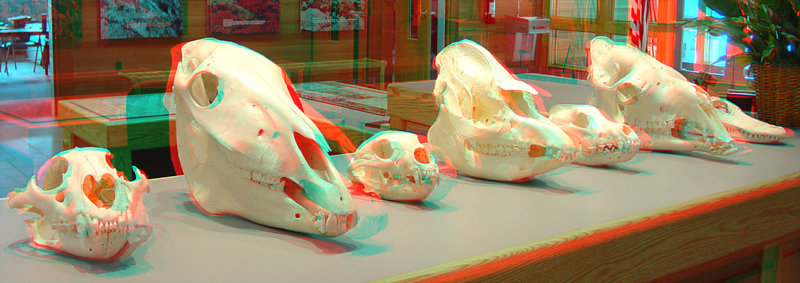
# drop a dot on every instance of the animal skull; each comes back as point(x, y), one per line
point(640, 91)
point(88, 209)
point(488, 126)
point(742, 127)
point(600, 140)
point(396, 166)
point(247, 149)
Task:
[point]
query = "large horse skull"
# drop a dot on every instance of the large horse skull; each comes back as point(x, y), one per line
point(396, 166)
point(247, 149)
point(488, 125)
point(89, 210)
point(601, 141)
point(640, 91)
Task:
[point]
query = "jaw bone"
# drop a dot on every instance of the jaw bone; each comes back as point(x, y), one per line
point(742, 127)
point(600, 140)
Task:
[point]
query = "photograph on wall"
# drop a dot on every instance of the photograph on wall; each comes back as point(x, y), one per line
point(332, 15)
point(243, 16)
point(140, 18)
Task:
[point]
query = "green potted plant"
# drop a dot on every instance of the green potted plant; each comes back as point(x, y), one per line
point(769, 32)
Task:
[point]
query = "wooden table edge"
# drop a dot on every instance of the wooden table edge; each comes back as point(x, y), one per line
point(499, 264)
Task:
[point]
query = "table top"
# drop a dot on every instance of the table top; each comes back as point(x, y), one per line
point(27, 30)
point(476, 218)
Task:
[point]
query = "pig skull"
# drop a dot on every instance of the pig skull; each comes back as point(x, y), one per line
point(488, 126)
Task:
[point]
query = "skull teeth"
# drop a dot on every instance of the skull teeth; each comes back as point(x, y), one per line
point(662, 129)
point(518, 150)
point(330, 224)
point(625, 146)
point(272, 182)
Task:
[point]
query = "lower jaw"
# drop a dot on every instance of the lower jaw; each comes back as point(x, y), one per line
point(604, 159)
point(407, 192)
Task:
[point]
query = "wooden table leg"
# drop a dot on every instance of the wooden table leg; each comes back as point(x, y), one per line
point(122, 160)
point(69, 139)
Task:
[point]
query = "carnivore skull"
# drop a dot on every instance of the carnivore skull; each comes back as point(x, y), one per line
point(247, 149)
point(640, 91)
point(601, 141)
point(742, 127)
point(88, 209)
point(396, 166)
point(488, 125)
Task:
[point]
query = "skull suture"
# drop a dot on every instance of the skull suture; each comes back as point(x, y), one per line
point(89, 210)
point(744, 128)
point(396, 166)
point(247, 150)
point(600, 140)
point(488, 126)
point(640, 91)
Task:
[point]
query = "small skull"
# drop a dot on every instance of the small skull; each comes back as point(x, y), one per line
point(88, 209)
point(396, 166)
point(602, 142)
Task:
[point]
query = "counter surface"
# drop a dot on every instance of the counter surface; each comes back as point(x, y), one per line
point(477, 217)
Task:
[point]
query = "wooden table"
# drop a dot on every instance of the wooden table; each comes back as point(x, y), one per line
point(122, 123)
point(655, 217)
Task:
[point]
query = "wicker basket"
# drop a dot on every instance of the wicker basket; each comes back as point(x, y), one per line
point(778, 94)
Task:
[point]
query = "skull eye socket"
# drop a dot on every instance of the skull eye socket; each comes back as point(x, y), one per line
point(626, 129)
point(51, 174)
point(581, 120)
point(205, 90)
point(384, 150)
point(421, 155)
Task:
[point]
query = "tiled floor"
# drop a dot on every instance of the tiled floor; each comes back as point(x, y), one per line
point(24, 147)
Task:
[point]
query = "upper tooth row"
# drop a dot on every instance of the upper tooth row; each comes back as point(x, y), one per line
point(623, 146)
point(419, 177)
point(272, 182)
point(654, 124)
point(751, 135)
point(502, 150)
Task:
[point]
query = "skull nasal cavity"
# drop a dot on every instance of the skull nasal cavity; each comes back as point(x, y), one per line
point(101, 192)
point(421, 155)
point(51, 174)
point(204, 89)
point(311, 152)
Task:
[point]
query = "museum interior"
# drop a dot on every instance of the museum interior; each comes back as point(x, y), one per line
point(400, 140)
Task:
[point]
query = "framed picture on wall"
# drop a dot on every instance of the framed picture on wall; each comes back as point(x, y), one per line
point(332, 15)
point(243, 16)
point(140, 18)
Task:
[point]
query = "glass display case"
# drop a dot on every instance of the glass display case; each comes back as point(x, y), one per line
point(102, 74)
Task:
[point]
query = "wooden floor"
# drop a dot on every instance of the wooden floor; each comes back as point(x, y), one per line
point(24, 147)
